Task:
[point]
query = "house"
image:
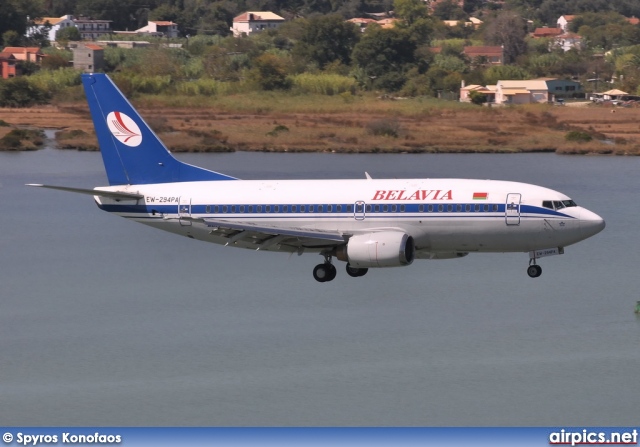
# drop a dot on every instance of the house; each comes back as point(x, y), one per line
point(472, 22)
point(30, 54)
point(388, 23)
point(8, 67)
point(493, 55)
point(362, 23)
point(253, 22)
point(562, 88)
point(489, 91)
point(56, 24)
point(546, 32)
point(159, 28)
point(522, 92)
point(564, 21)
point(92, 29)
point(88, 57)
point(123, 43)
point(568, 41)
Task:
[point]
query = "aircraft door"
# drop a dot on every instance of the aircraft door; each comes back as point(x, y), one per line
point(184, 210)
point(512, 209)
point(359, 210)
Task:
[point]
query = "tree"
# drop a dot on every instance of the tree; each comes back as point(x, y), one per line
point(270, 72)
point(449, 10)
point(68, 33)
point(385, 54)
point(11, 38)
point(14, 13)
point(509, 30)
point(326, 39)
point(410, 10)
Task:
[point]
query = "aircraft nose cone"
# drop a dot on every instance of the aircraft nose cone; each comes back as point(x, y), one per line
point(590, 223)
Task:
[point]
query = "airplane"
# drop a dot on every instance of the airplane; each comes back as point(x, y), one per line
point(367, 223)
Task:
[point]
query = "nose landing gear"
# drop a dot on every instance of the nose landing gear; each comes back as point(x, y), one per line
point(534, 271)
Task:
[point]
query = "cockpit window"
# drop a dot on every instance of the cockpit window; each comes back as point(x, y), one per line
point(558, 204)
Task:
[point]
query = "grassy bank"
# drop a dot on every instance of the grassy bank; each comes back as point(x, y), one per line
point(353, 124)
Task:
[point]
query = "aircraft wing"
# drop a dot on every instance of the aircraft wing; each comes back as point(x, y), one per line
point(264, 236)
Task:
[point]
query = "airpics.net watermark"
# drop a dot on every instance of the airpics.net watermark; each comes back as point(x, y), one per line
point(591, 437)
point(26, 439)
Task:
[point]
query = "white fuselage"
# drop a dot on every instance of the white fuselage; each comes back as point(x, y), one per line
point(444, 216)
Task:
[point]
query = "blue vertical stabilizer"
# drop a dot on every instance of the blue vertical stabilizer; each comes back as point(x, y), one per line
point(131, 151)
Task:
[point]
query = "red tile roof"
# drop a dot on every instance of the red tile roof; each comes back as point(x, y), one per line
point(547, 32)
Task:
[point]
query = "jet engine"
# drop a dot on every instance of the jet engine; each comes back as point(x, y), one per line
point(378, 249)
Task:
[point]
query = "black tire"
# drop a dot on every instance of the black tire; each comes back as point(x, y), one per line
point(534, 271)
point(356, 272)
point(332, 272)
point(321, 273)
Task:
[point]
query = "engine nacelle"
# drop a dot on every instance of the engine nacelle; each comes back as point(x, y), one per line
point(378, 249)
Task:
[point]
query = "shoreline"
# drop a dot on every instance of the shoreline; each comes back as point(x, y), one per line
point(521, 129)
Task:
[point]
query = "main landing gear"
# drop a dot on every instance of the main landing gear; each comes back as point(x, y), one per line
point(327, 272)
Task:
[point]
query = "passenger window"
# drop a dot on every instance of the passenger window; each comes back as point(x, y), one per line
point(421, 208)
point(339, 208)
point(224, 209)
point(430, 208)
point(329, 208)
point(368, 208)
point(207, 209)
point(216, 209)
point(476, 208)
point(349, 208)
point(440, 208)
point(402, 208)
point(495, 207)
point(385, 208)
point(458, 208)
point(449, 208)
point(376, 208)
point(467, 208)
point(393, 208)
point(486, 208)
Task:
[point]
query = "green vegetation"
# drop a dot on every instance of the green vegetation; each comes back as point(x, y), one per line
point(318, 52)
point(21, 139)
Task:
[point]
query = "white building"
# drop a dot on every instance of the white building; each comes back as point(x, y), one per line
point(56, 23)
point(253, 22)
point(522, 92)
point(159, 28)
point(564, 21)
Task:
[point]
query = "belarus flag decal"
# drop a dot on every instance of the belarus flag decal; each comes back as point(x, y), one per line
point(480, 196)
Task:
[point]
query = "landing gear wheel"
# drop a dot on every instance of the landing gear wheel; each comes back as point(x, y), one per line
point(324, 272)
point(356, 272)
point(534, 271)
point(332, 272)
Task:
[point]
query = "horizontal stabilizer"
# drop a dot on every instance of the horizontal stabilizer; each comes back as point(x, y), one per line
point(94, 192)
